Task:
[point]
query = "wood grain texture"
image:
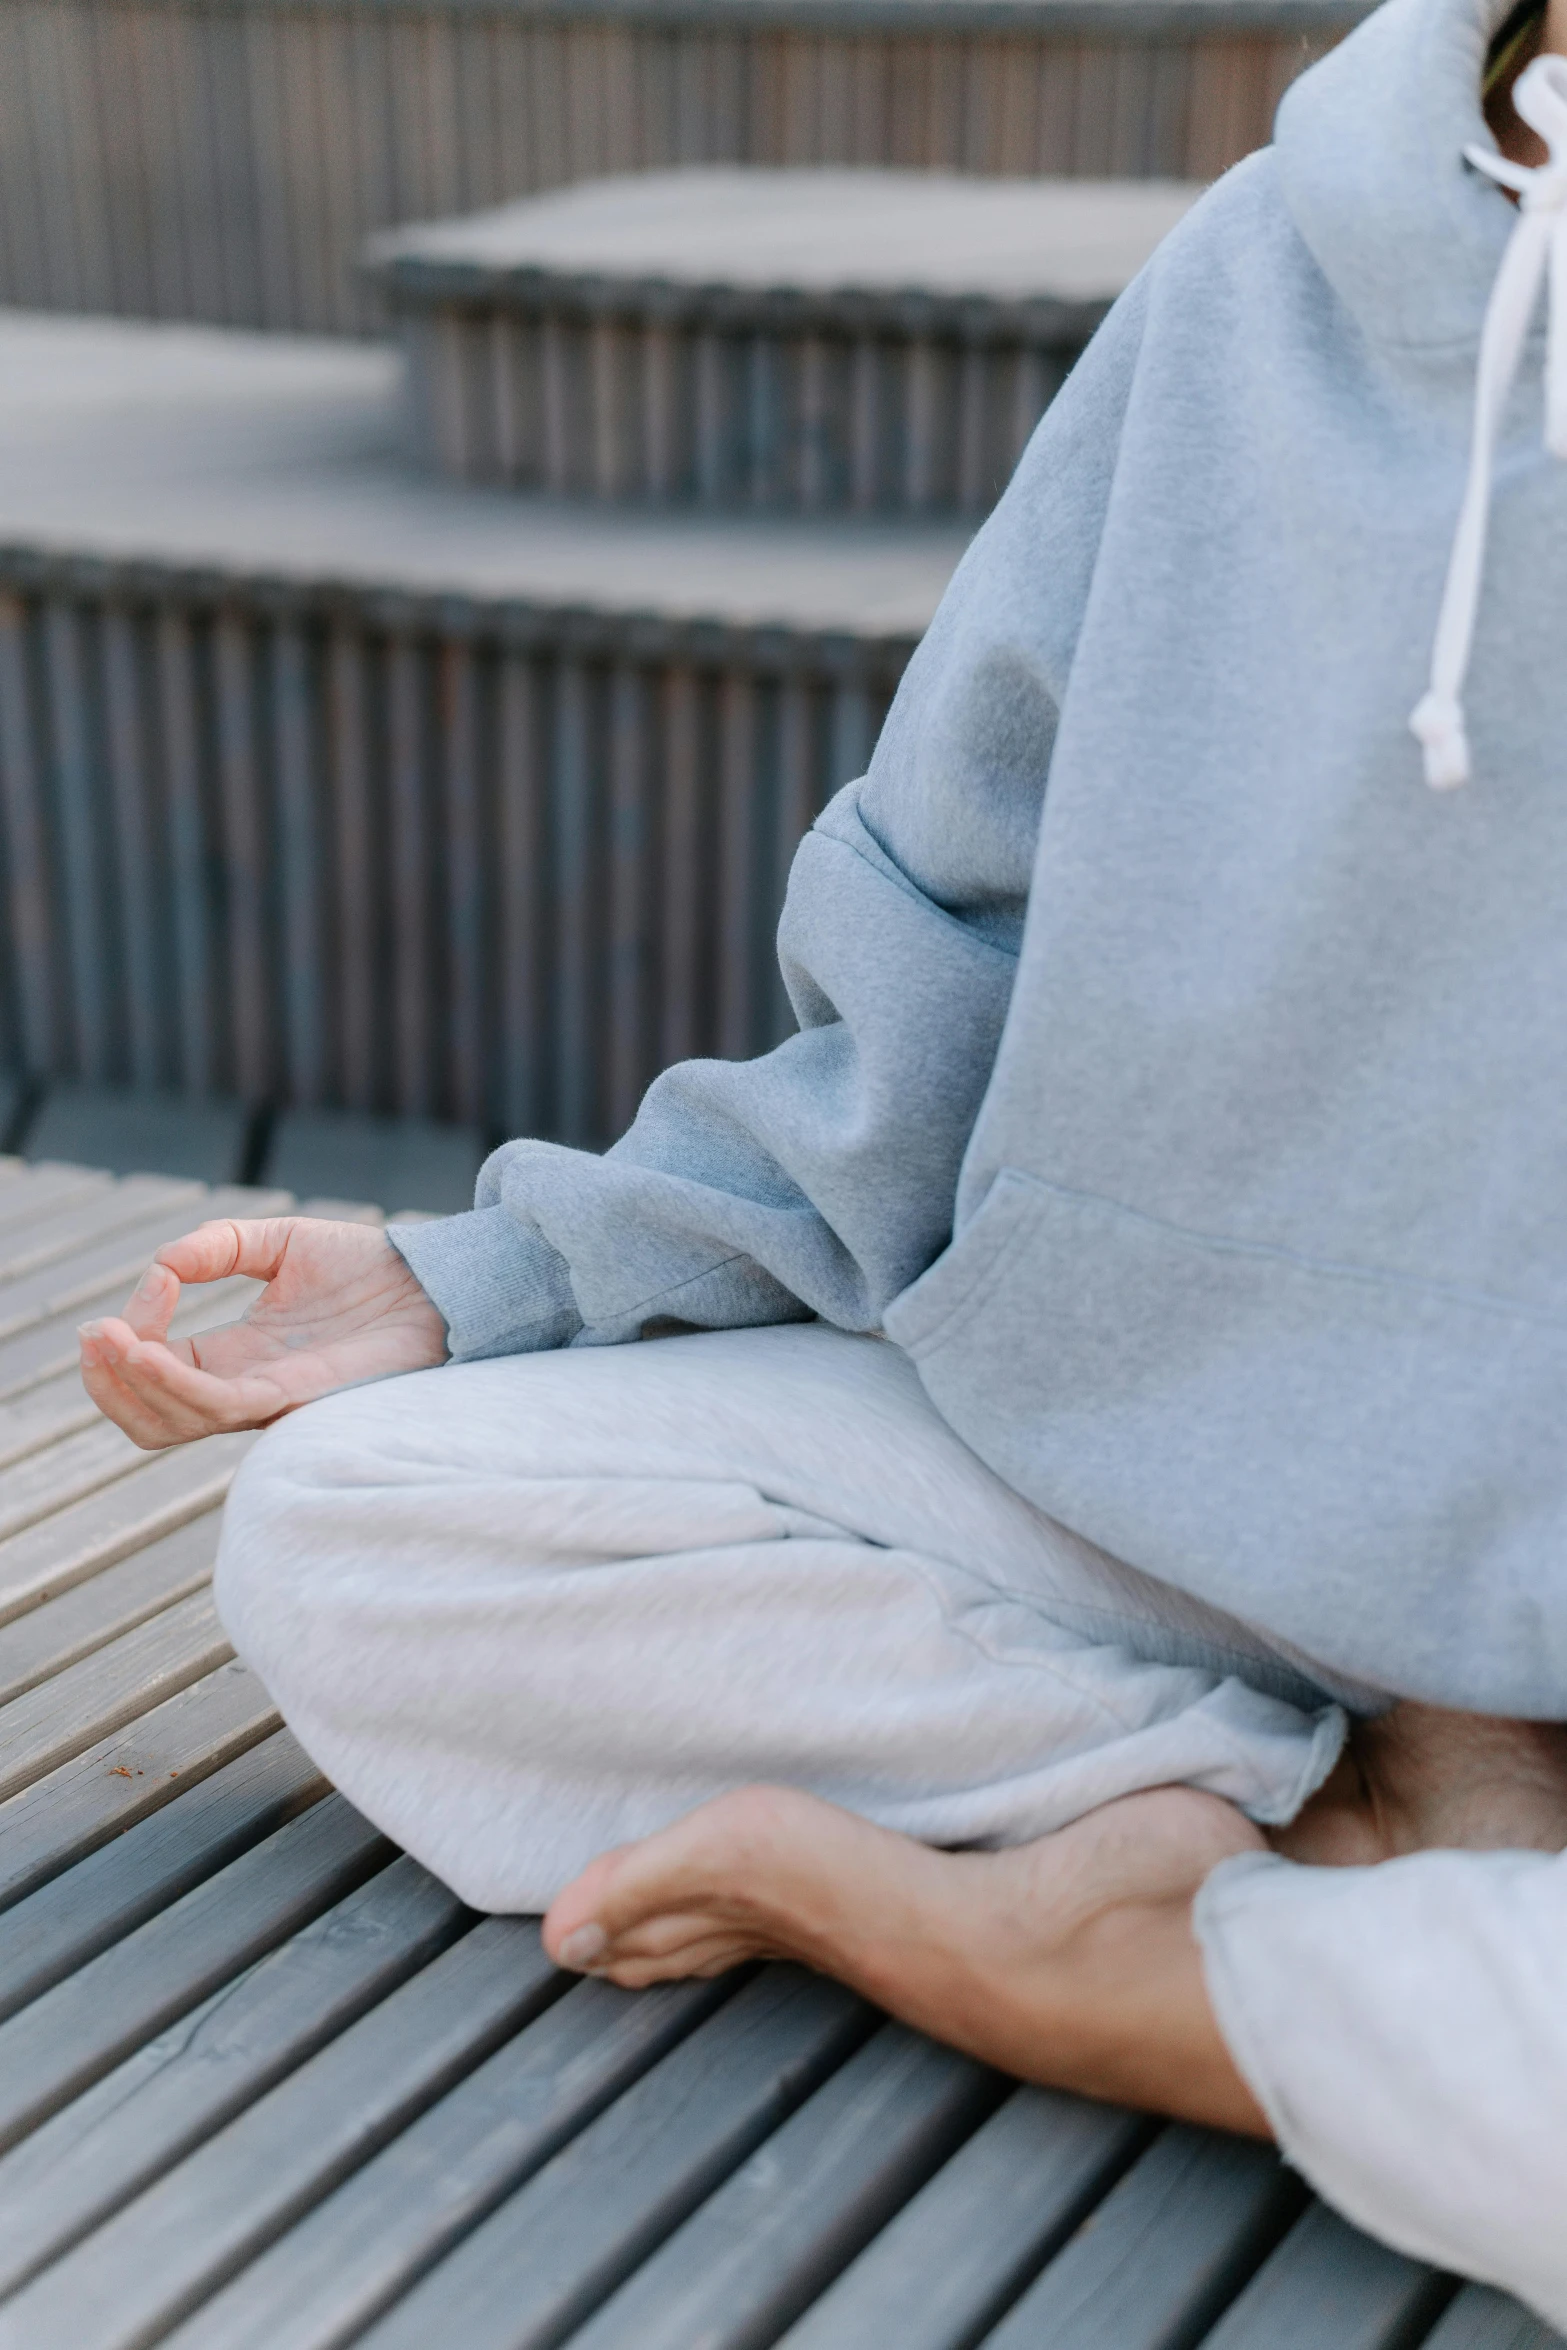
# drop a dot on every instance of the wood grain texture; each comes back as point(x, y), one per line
point(181, 2087)
point(532, 2272)
point(351, 2257)
point(1326, 2282)
point(183, 2236)
point(72, 2035)
point(47, 1935)
point(1169, 2249)
point(955, 2256)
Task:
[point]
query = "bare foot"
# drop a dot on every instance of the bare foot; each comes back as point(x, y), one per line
point(1069, 1961)
point(1420, 1777)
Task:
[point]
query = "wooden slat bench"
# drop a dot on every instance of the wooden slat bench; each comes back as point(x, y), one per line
point(266, 2085)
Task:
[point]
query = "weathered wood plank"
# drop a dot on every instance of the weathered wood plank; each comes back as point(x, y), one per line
point(1327, 2283)
point(1480, 2319)
point(28, 1193)
point(87, 1702)
point(350, 2258)
point(551, 2254)
point(47, 1349)
point(57, 1821)
point(1169, 2248)
point(52, 1409)
point(118, 1261)
point(170, 1489)
point(793, 2216)
point(145, 1867)
point(67, 1471)
point(64, 1630)
point(958, 2253)
point(71, 2036)
point(185, 2235)
point(82, 1221)
point(176, 2092)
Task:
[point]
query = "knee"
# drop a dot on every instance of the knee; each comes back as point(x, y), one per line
point(280, 1547)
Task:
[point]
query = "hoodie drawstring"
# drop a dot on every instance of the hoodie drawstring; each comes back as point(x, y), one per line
point(1537, 251)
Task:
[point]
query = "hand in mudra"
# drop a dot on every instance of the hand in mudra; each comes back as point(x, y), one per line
point(339, 1306)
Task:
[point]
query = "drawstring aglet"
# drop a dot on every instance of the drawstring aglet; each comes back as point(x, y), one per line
point(1437, 723)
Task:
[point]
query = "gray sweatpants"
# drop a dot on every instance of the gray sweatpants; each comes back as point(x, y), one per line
point(525, 1609)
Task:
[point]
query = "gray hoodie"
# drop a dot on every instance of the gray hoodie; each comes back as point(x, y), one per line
point(1179, 1079)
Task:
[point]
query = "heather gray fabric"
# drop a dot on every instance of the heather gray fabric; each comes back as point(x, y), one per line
point(1199, 1124)
point(522, 1611)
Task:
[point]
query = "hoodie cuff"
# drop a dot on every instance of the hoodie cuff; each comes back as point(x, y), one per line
point(499, 1286)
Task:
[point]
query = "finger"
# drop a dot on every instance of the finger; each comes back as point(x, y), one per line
point(151, 1306)
point(151, 1423)
point(155, 1395)
point(217, 1405)
point(214, 1251)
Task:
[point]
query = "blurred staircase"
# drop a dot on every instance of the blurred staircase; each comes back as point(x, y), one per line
point(465, 792)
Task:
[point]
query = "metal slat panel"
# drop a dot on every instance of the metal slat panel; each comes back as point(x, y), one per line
point(68, 1921)
point(75, 1543)
point(1328, 2283)
point(957, 2254)
point(777, 2232)
point(71, 2036)
point(350, 2258)
point(1169, 2248)
point(178, 2090)
point(189, 2232)
point(118, 1782)
point(529, 2275)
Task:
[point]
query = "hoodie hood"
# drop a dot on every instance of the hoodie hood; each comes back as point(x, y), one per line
point(1370, 146)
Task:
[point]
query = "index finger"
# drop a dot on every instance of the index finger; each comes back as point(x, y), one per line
point(215, 1251)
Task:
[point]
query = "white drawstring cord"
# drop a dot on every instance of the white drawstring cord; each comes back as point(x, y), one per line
point(1537, 251)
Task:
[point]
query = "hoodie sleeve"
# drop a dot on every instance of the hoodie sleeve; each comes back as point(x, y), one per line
point(819, 1179)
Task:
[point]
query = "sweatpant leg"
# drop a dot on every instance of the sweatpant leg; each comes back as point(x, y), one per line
point(1405, 2030)
point(526, 1609)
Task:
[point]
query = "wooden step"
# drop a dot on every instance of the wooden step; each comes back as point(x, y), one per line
point(810, 340)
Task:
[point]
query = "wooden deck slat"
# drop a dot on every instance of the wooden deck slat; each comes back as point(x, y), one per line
point(1169, 2248)
point(40, 1190)
point(348, 2260)
point(60, 2044)
point(1328, 2283)
point(794, 2215)
point(50, 1409)
point(118, 1887)
point(174, 2093)
point(958, 2253)
point(79, 1541)
point(1480, 2319)
point(536, 2268)
point(117, 1261)
point(63, 1631)
point(73, 1710)
point(67, 1471)
point(77, 1223)
point(61, 1818)
point(179, 2239)
point(47, 1350)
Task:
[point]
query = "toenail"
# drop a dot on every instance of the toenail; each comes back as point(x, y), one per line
point(581, 1948)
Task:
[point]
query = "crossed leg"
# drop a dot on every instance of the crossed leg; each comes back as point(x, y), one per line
point(1069, 1961)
